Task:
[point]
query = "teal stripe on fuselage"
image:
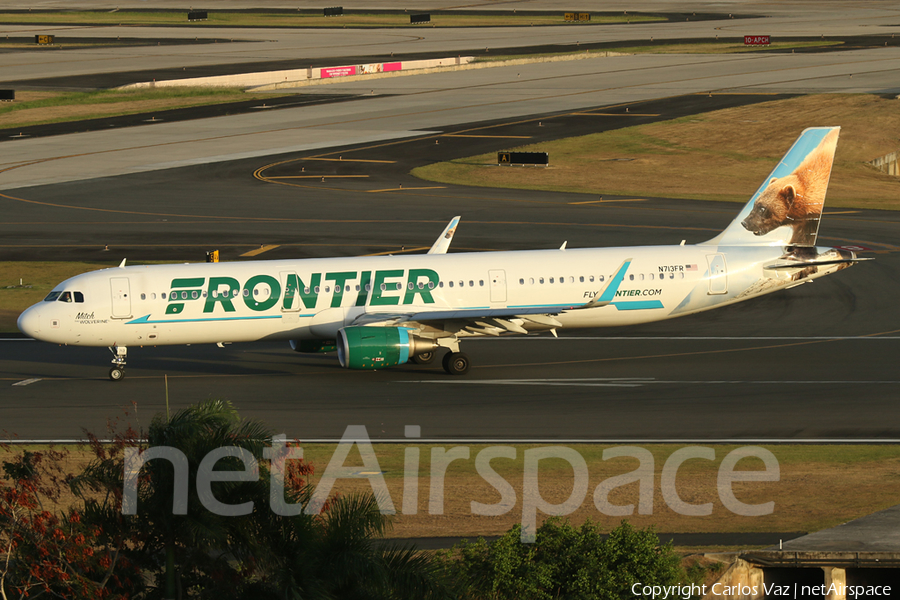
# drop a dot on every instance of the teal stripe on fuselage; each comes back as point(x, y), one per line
point(146, 319)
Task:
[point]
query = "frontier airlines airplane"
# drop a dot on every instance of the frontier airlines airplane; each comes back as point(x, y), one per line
point(384, 311)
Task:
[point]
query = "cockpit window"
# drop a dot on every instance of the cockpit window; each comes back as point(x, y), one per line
point(79, 297)
point(52, 296)
point(65, 297)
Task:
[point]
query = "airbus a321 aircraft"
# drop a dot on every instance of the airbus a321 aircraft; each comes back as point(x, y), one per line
point(384, 311)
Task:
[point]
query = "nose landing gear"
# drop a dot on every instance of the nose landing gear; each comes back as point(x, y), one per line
point(117, 371)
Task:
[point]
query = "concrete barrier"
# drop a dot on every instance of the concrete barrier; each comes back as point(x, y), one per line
point(274, 80)
point(887, 163)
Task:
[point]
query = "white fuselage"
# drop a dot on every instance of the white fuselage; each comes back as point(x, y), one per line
point(313, 298)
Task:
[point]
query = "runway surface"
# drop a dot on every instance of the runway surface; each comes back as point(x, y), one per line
point(815, 362)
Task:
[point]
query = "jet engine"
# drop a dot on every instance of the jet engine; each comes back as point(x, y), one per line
point(379, 347)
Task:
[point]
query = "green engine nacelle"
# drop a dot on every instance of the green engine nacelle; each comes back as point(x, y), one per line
point(313, 345)
point(378, 347)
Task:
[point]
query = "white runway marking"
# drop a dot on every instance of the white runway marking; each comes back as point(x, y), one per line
point(641, 381)
point(26, 382)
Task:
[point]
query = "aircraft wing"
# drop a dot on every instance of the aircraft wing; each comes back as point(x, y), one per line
point(493, 321)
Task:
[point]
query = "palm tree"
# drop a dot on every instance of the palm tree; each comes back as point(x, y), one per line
point(199, 535)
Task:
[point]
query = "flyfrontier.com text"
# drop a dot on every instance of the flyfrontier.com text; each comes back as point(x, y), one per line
point(532, 501)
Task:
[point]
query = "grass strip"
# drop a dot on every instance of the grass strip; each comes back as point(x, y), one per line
point(722, 155)
point(301, 20)
point(819, 486)
point(39, 108)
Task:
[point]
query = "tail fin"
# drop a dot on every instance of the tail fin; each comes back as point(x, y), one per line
point(787, 208)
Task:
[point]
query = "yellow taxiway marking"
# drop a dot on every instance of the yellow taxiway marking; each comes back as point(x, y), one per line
point(496, 137)
point(842, 212)
point(606, 201)
point(596, 114)
point(260, 250)
point(362, 160)
point(402, 189)
point(316, 176)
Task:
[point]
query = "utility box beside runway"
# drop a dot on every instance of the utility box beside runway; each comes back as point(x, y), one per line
point(197, 15)
point(523, 158)
point(7, 95)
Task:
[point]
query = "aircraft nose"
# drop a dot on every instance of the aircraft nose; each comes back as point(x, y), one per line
point(29, 322)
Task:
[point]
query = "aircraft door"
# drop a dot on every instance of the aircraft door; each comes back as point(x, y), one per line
point(121, 297)
point(718, 274)
point(498, 285)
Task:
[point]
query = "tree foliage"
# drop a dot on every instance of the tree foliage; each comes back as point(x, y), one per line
point(565, 562)
point(97, 551)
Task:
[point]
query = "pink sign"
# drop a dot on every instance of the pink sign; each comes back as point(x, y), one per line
point(338, 71)
point(394, 66)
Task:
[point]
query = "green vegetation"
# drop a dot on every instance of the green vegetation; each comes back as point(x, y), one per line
point(667, 48)
point(110, 544)
point(306, 19)
point(721, 155)
point(566, 562)
point(37, 108)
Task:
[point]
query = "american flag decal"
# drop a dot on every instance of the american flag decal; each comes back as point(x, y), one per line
point(690, 267)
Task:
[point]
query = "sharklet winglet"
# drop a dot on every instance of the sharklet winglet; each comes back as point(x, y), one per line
point(605, 296)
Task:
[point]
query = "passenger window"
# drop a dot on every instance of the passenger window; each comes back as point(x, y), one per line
point(641, 276)
point(306, 290)
point(203, 294)
point(631, 277)
point(541, 280)
point(143, 296)
point(410, 285)
point(79, 297)
point(471, 283)
point(551, 280)
point(383, 287)
point(671, 275)
point(651, 276)
point(369, 287)
point(357, 288)
point(601, 279)
point(52, 296)
point(247, 293)
point(317, 289)
point(591, 279)
point(451, 284)
point(462, 284)
point(163, 295)
point(681, 276)
point(195, 295)
point(521, 282)
point(481, 282)
point(440, 284)
point(572, 279)
point(531, 280)
point(581, 279)
point(153, 295)
point(430, 285)
point(327, 288)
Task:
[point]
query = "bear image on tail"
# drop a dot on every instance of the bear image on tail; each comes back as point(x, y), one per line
point(796, 200)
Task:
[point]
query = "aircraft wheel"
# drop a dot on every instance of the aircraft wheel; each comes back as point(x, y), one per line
point(426, 358)
point(456, 363)
point(116, 373)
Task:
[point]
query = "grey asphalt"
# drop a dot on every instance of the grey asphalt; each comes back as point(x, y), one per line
point(810, 363)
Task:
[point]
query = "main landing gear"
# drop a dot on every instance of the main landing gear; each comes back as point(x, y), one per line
point(117, 371)
point(456, 363)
